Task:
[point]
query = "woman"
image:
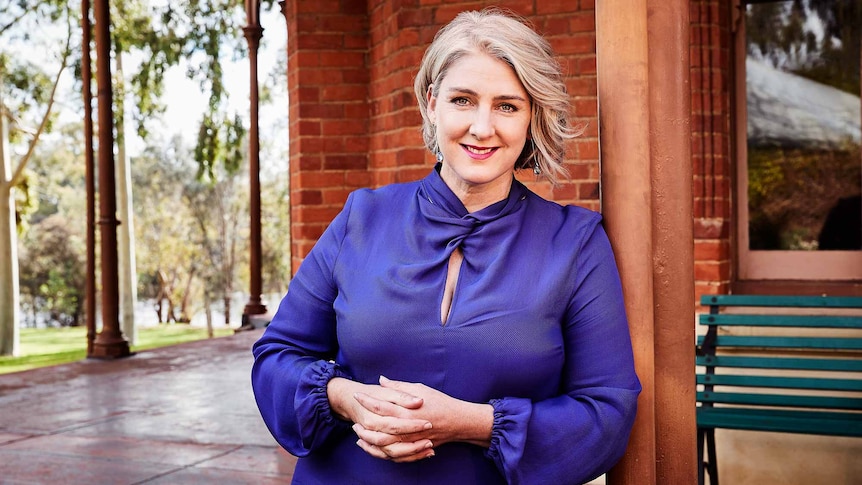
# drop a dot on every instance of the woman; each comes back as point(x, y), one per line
point(458, 329)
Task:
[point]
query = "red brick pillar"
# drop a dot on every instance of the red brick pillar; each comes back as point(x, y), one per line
point(646, 201)
point(710, 130)
point(327, 77)
point(398, 39)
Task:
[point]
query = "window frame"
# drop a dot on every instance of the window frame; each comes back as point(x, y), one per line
point(832, 266)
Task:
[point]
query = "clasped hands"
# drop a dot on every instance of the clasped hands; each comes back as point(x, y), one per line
point(404, 421)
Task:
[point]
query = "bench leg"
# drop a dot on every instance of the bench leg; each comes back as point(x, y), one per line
point(712, 461)
point(706, 438)
point(701, 436)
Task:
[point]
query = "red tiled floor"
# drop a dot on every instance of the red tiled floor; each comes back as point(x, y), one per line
point(176, 415)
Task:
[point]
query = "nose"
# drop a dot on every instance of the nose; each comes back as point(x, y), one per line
point(482, 126)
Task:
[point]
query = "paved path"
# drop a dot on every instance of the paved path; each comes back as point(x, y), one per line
point(176, 415)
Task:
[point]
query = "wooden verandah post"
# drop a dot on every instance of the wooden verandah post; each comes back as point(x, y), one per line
point(645, 140)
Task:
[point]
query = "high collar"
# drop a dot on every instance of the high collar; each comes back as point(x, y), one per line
point(439, 203)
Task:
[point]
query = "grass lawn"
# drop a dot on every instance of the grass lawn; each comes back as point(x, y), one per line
point(41, 347)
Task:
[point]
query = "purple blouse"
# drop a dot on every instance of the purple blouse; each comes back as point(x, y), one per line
point(537, 328)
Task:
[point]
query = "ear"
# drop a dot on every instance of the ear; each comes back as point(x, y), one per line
point(432, 104)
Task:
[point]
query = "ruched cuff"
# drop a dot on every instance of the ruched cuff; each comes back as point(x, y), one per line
point(314, 415)
point(509, 432)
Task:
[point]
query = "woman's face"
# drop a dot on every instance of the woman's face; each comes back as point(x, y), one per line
point(482, 116)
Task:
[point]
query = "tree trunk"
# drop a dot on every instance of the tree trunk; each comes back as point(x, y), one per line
point(9, 305)
point(209, 314)
point(184, 305)
point(126, 246)
point(9, 295)
point(227, 299)
point(10, 309)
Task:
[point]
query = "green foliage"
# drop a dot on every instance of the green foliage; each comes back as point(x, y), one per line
point(216, 207)
point(52, 272)
point(197, 34)
point(25, 204)
point(17, 12)
point(777, 32)
point(219, 143)
point(790, 192)
point(275, 231)
point(175, 239)
point(163, 224)
point(52, 245)
point(25, 80)
point(26, 88)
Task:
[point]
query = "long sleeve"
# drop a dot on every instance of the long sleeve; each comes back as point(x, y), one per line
point(294, 356)
point(536, 327)
point(576, 436)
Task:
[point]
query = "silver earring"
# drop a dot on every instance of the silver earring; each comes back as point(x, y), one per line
point(439, 156)
point(536, 168)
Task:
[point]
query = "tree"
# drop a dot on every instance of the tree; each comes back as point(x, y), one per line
point(780, 33)
point(52, 271)
point(197, 35)
point(166, 229)
point(52, 246)
point(23, 89)
point(217, 208)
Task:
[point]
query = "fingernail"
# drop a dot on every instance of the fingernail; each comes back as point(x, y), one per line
point(428, 425)
point(383, 379)
point(429, 445)
point(430, 454)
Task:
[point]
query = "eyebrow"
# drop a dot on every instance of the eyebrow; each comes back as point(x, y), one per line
point(504, 97)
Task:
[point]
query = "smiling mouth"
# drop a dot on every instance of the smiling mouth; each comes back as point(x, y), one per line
point(479, 150)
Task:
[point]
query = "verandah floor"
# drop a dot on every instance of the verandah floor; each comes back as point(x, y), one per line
point(175, 415)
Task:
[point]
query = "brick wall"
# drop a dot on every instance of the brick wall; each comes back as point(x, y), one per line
point(353, 116)
point(354, 121)
point(399, 35)
point(327, 58)
point(710, 103)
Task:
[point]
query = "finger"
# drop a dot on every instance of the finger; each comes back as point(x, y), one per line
point(399, 452)
point(404, 394)
point(401, 395)
point(385, 417)
point(372, 450)
point(418, 456)
point(375, 438)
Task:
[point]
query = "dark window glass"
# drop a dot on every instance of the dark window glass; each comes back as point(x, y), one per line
point(802, 90)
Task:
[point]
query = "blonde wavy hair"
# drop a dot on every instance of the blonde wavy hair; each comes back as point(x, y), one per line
point(506, 37)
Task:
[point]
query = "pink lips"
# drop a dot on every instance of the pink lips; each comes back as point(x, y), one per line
point(478, 153)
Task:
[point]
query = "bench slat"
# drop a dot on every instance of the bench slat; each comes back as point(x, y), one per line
point(816, 321)
point(850, 385)
point(840, 365)
point(820, 343)
point(783, 301)
point(807, 422)
point(784, 400)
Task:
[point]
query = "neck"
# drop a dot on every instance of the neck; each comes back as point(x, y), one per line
point(476, 197)
point(475, 202)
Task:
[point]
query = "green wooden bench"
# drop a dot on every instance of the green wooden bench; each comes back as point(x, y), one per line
point(780, 364)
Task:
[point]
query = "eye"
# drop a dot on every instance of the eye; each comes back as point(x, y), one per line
point(508, 108)
point(460, 101)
